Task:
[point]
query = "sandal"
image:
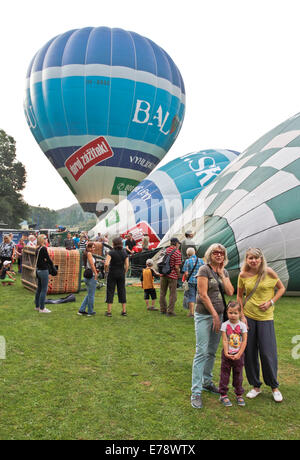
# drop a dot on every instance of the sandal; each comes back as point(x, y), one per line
point(123, 313)
point(240, 401)
point(225, 401)
point(107, 313)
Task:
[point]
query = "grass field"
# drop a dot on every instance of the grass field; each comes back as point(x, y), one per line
point(127, 378)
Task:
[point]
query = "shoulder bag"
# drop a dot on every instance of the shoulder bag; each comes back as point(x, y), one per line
point(185, 283)
point(88, 273)
point(253, 290)
point(35, 266)
point(52, 269)
point(221, 289)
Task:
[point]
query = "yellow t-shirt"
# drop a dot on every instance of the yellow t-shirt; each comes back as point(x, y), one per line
point(264, 292)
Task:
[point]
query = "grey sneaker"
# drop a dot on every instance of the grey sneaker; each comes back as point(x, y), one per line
point(196, 401)
point(211, 388)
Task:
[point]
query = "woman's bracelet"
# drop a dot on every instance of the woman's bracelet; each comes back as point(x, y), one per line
point(272, 302)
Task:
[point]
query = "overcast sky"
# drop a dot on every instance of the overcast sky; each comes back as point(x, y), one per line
point(239, 60)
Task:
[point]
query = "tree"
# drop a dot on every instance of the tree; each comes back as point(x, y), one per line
point(13, 208)
point(42, 217)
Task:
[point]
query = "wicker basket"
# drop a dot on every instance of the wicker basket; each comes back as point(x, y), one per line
point(69, 270)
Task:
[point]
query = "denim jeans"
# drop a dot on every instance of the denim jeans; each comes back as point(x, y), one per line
point(207, 342)
point(41, 292)
point(88, 301)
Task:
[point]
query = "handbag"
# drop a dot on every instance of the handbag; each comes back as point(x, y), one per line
point(52, 270)
point(220, 286)
point(88, 273)
point(185, 284)
point(253, 290)
point(35, 267)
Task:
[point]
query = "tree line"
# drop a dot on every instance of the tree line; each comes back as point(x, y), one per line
point(13, 208)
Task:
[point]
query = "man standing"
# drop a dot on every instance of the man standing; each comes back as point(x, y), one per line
point(170, 280)
point(69, 243)
point(188, 242)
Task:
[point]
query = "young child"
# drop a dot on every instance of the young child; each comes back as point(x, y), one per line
point(6, 275)
point(147, 279)
point(234, 336)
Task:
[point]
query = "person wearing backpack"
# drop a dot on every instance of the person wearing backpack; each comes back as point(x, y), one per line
point(190, 268)
point(170, 274)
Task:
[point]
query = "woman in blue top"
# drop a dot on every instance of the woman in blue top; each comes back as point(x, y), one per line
point(190, 268)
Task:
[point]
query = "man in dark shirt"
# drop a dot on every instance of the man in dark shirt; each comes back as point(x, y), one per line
point(69, 243)
point(169, 282)
point(130, 243)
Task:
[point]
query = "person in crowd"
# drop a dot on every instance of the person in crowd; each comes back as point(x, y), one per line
point(25, 239)
point(69, 242)
point(105, 238)
point(105, 244)
point(234, 338)
point(91, 283)
point(6, 273)
point(14, 255)
point(147, 279)
point(187, 242)
point(129, 244)
point(208, 316)
point(82, 242)
point(145, 243)
point(76, 241)
point(116, 266)
point(7, 250)
point(262, 288)
point(169, 282)
point(19, 250)
point(191, 268)
point(43, 262)
point(32, 241)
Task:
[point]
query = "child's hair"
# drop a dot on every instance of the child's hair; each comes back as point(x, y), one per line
point(233, 304)
point(149, 262)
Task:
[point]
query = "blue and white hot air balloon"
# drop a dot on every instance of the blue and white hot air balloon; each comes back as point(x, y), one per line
point(105, 106)
point(159, 200)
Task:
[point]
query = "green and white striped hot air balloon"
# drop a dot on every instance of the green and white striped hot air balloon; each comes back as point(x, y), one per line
point(254, 202)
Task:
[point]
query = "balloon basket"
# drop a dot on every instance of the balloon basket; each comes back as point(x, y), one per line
point(69, 265)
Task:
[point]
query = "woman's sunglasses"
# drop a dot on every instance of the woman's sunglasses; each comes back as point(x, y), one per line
point(218, 253)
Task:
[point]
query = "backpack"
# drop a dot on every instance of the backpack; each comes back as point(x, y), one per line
point(163, 265)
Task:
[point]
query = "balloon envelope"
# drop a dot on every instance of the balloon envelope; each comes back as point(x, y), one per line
point(255, 203)
point(154, 205)
point(105, 106)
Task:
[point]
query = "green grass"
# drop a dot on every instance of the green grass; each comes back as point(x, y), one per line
point(126, 378)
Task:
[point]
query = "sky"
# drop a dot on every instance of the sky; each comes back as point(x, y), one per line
point(239, 60)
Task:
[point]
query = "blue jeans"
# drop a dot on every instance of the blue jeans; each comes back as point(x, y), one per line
point(41, 292)
point(207, 342)
point(88, 301)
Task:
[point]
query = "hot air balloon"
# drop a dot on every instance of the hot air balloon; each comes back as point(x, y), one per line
point(153, 206)
point(255, 203)
point(105, 106)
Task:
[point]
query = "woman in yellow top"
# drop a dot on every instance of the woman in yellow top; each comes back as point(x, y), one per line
point(257, 312)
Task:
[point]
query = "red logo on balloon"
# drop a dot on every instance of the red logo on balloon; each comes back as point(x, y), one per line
point(87, 156)
point(138, 232)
